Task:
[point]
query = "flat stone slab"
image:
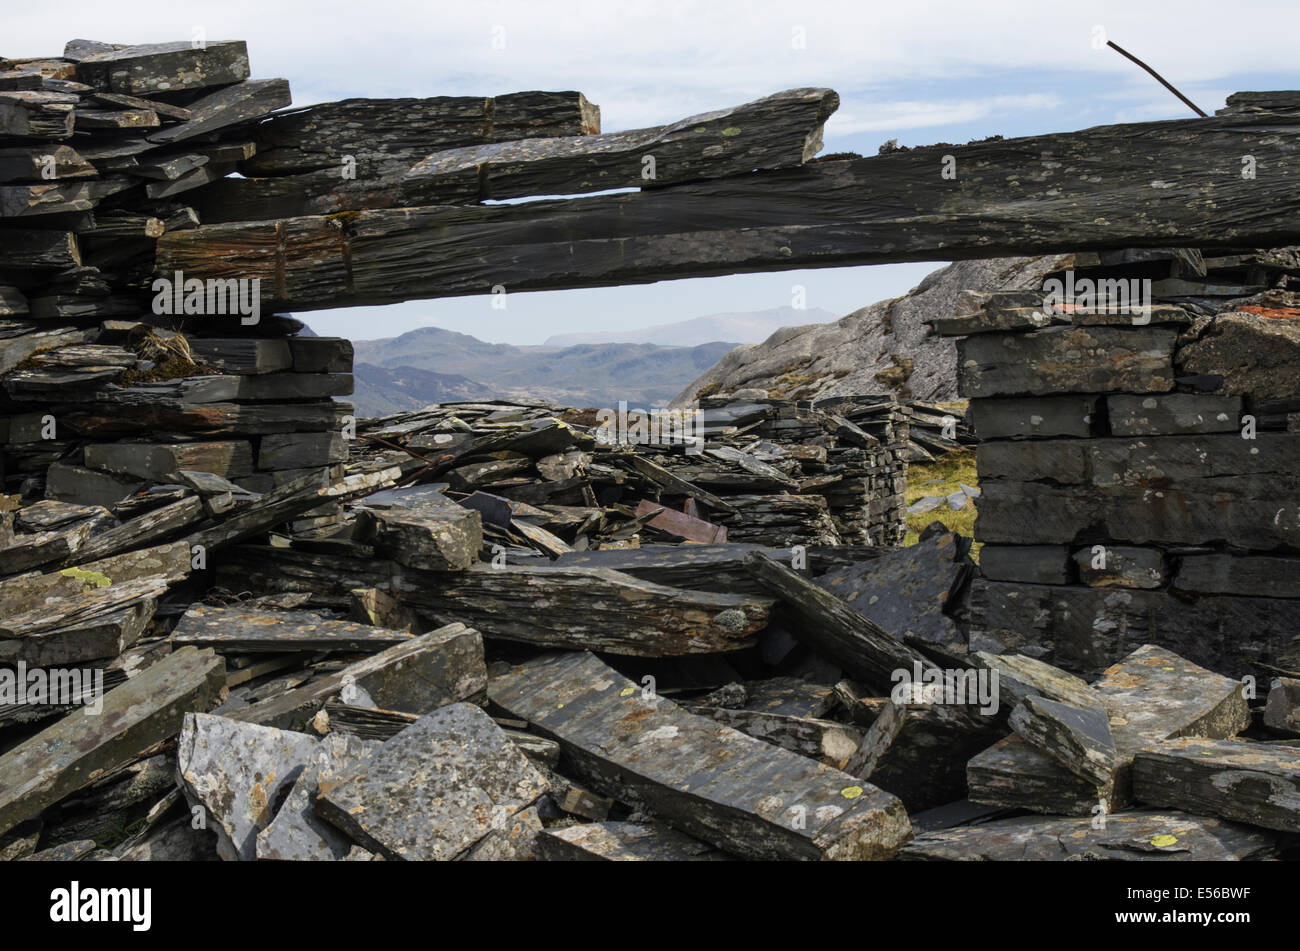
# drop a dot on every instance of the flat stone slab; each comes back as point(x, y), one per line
point(1067, 360)
point(1121, 566)
point(904, 591)
point(435, 789)
point(145, 710)
point(238, 772)
point(1033, 417)
point(1172, 414)
point(742, 795)
point(1031, 564)
point(1255, 783)
point(238, 630)
point(1124, 837)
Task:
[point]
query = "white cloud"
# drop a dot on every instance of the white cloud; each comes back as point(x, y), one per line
point(876, 116)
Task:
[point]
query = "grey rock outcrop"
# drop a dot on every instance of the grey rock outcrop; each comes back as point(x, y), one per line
point(885, 346)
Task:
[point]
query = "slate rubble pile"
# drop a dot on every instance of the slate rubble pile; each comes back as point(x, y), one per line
point(248, 627)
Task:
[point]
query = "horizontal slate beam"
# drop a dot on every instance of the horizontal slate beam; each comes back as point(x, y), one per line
point(1140, 184)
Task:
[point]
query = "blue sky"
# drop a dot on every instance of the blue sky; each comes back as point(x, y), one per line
point(917, 71)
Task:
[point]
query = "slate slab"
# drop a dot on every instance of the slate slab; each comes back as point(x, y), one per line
point(435, 789)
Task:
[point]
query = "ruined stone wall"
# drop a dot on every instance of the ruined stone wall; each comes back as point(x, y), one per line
point(1140, 471)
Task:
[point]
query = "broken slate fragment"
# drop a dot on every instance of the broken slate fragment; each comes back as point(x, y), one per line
point(1076, 737)
point(237, 773)
point(235, 629)
point(297, 834)
point(435, 789)
point(905, 591)
point(1282, 711)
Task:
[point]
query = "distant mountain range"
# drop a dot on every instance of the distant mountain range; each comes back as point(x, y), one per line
point(431, 364)
point(736, 328)
point(379, 391)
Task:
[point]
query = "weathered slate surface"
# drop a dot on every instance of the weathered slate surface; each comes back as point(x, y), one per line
point(231, 459)
point(227, 106)
point(918, 751)
point(297, 834)
point(1063, 192)
point(1262, 576)
point(238, 773)
point(141, 531)
point(1085, 629)
point(834, 629)
point(585, 608)
point(1076, 737)
point(741, 794)
point(300, 450)
point(1042, 417)
point(1032, 564)
point(826, 741)
point(240, 630)
point(386, 135)
point(34, 591)
point(136, 715)
point(421, 528)
point(165, 67)
point(905, 591)
point(780, 130)
point(1067, 360)
point(1173, 414)
point(1021, 677)
point(423, 673)
point(1121, 566)
point(435, 789)
point(1151, 695)
point(1125, 837)
point(1247, 782)
point(623, 842)
point(1137, 490)
point(1282, 709)
point(712, 567)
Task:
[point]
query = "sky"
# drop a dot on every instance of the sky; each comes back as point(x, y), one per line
point(916, 71)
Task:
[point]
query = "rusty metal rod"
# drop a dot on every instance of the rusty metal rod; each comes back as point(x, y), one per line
point(1160, 79)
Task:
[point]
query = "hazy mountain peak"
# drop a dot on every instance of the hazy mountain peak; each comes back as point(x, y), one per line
point(732, 327)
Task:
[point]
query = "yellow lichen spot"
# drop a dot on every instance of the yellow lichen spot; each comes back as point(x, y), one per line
point(700, 128)
point(851, 792)
point(731, 130)
point(1163, 841)
point(87, 577)
point(627, 691)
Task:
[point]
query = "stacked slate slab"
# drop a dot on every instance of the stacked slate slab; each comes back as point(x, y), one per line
point(1138, 470)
